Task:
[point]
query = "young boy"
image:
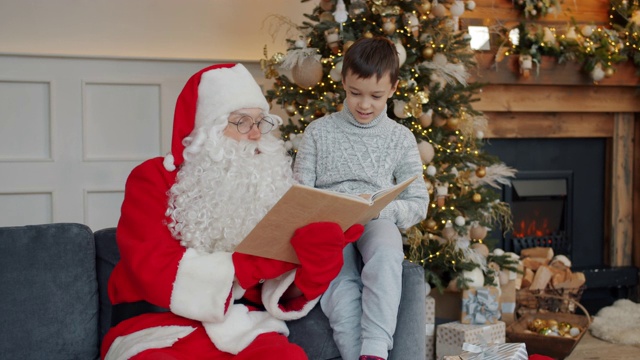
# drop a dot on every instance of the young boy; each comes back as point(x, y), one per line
point(360, 150)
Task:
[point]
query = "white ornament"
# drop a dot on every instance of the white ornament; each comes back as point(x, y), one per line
point(457, 8)
point(402, 53)
point(597, 73)
point(295, 142)
point(426, 151)
point(587, 30)
point(398, 109)
point(426, 118)
point(471, 4)
point(340, 15)
point(301, 43)
point(427, 288)
point(460, 221)
point(498, 252)
point(288, 145)
point(439, 10)
point(453, 171)
point(431, 170)
point(440, 59)
point(480, 134)
point(336, 72)
point(475, 278)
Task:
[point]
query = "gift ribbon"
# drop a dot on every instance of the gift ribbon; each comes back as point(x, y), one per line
point(481, 307)
point(508, 307)
point(484, 348)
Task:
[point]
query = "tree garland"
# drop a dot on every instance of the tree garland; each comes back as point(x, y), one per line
point(598, 48)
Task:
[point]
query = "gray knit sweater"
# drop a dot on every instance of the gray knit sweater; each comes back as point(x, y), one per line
point(340, 154)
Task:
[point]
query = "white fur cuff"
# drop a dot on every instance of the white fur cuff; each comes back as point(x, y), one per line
point(272, 291)
point(203, 285)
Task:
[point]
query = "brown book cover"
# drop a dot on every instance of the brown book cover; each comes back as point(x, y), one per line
point(302, 205)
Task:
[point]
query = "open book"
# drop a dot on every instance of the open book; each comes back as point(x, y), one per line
point(302, 205)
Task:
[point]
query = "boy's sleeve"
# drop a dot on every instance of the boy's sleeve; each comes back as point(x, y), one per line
point(411, 206)
point(304, 166)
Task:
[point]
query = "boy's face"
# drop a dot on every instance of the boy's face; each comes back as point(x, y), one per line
point(367, 98)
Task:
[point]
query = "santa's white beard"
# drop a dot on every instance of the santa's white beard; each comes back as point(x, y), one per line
point(225, 189)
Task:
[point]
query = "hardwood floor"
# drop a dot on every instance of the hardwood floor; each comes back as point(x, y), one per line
point(592, 348)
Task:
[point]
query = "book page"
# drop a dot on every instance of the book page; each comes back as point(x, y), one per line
point(302, 205)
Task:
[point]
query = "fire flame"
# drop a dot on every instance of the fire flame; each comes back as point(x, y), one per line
point(532, 227)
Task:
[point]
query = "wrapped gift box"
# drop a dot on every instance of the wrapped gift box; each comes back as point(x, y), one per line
point(448, 305)
point(451, 336)
point(509, 351)
point(508, 302)
point(431, 327)
point(480, 306)
point(431, 309)
point(431, 341)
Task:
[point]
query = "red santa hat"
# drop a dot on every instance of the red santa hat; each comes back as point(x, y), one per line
point(208, 97)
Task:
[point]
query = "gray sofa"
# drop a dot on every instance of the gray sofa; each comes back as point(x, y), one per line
point(54, 302)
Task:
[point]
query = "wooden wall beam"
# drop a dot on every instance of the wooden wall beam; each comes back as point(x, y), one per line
point(636, 193)
point(549, 125)
point(583, 11)
point(622, 190)
point(527, 98)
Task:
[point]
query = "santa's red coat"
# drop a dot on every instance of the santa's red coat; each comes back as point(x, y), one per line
point(198, 288)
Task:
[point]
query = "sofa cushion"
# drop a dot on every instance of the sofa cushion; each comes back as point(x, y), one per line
point(49, 301)
point(107, 256)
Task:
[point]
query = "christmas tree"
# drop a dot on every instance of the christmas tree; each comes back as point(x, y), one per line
point(433, 99)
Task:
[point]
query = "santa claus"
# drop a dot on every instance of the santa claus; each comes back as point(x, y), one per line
point(179, 290)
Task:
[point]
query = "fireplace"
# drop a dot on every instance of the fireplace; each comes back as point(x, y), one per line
point(557, 198)
point(541, 203)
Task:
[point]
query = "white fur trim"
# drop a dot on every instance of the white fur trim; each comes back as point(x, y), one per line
point(169, 162)
point(125, 347)
point(241, 327)
point(272, 291)
point(224, 90)
point(203, 284)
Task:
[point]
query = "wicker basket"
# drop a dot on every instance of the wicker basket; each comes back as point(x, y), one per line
point(550, 299)
point(554, 346)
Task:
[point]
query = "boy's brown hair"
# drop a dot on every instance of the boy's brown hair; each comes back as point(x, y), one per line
point(368, 56)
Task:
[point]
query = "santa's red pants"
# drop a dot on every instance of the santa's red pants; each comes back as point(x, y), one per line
point(198, 346)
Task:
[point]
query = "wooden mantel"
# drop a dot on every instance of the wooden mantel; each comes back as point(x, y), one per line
point(536, 108)
point(561, 101)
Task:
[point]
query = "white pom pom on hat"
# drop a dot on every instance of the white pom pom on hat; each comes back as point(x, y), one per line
point(208, 95)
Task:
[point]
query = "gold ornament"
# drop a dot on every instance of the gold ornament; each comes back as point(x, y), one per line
point(477, 197)
point(427, 52)
point(389, 25)
point(452, 123)
point(402, 83)
point(326, 5)
point(424, 7)
point(430, 224)
point(477, 232)
point(268, 65)
point(481, 171)
point(307, 74)
point(439, 120)
point(339, 107)
point(290, 109)
point(608, 72)
point(367, 34)
point(326, 16)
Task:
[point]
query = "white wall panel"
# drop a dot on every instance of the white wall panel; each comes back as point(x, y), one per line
point(25, 208)
point(121, 121)
point(25, 120)
point(102, 208)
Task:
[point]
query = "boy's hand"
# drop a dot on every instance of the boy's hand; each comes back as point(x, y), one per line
point(251, 270)
point(319, 249)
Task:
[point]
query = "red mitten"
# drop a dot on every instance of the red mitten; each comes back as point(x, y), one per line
point(250, 269)
point(319, 249)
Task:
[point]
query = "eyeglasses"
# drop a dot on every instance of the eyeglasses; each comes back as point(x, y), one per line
point(246, 123)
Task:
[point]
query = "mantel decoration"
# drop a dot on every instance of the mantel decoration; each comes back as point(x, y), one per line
point(597, 48)
point(433, 99)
